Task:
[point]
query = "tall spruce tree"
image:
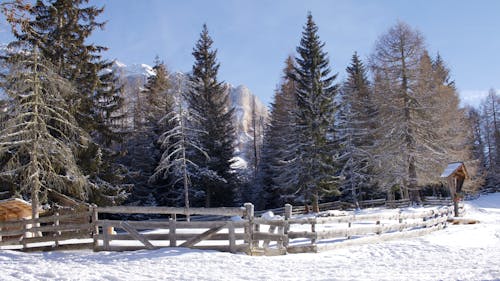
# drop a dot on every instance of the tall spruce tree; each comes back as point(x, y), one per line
point(315, 92)
point(208, 102)
point(278, 152)
point(357, 133)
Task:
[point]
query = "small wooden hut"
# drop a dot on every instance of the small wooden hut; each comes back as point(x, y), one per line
point(455, 174)
point(13, 209)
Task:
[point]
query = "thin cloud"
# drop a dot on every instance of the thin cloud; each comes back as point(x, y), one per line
point(473, 97)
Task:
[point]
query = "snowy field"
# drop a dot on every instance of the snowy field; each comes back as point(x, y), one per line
point(459, 252)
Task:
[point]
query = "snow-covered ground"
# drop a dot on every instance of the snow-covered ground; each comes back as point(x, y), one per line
point(459, 252)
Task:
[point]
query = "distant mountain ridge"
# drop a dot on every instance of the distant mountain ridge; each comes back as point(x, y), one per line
point(246, 106)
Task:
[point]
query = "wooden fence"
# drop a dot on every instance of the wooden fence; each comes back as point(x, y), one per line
point(68, 231)
point(236, 230)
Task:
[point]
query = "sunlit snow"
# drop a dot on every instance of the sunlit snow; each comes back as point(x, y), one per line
point(459, 252)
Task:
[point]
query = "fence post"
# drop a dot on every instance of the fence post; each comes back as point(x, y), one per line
point(94, 218)
point(57, 232)
point(232, 238)
point(313, 230)
point(400, 221)
point(250, 228)
point(25, 235)
point(105, 242)
point(286, 226)
point(171, 233)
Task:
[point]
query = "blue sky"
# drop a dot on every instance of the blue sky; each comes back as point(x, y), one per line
point(253, 38)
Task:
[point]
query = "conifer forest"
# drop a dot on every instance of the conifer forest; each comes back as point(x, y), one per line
point(73, 123)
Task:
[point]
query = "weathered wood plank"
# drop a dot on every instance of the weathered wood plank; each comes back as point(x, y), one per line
point(20, 223)
point(232, 237)
point(178, 236)
point(303, 220)
point(201, 237)
point(61, 247)
point(302, 234)
point(10, 241)
point(221, 248)
point(147, 225)
point(136, 235)
point(171, 233)
point(119, 248)
point(106, 234)
point(271, 230)
point(222, 211)
point(274, 222)
point(267, 236)
point(377, 238)
point(13, 232)
point(62, 237)
point(302, 249)
point(61, 228)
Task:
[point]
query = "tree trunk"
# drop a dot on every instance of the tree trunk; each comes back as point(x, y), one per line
point(412, 186)
point(208, 196)
point(315, 202)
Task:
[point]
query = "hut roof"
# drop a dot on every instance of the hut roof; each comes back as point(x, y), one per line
point(455, 167)
point(14, 208)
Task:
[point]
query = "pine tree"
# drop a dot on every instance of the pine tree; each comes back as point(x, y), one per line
point(143, 149)
point(315, 111)
point(491, 127)
point(60, 30)
point(176, 164)
point(40, 137)
point(63, 26)
point(357, 126)
point(278, 152)
point(208, 103)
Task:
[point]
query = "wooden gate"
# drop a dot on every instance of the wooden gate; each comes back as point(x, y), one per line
point(222, 234)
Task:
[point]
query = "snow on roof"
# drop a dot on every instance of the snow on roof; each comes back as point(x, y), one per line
point(452, 167)
point(14, 206)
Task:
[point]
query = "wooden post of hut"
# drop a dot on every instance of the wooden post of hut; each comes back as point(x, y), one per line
point(455, 174)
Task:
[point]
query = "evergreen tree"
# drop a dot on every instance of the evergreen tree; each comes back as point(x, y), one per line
point(40, 137)
point(357, 126)
point(278, 151)
point(315, 117)
point(60, 29)
point(491, 134)
point(62, 26)
point(208, 104)
point(175, 163)
point(143, 147)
